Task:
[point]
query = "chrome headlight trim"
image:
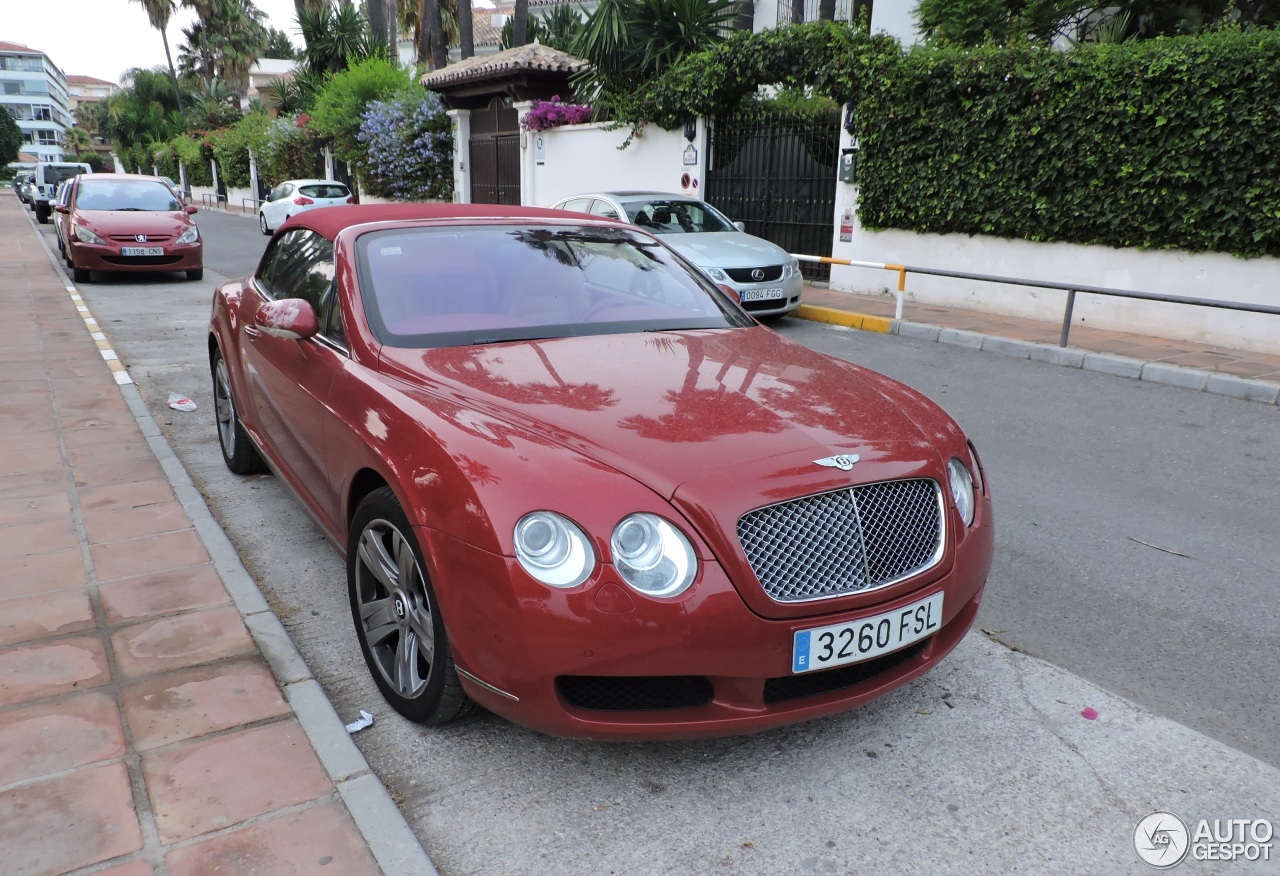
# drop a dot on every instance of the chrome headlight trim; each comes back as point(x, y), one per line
point(962, 489)
point(553, 549)
point(191, 235)
point(653, 556)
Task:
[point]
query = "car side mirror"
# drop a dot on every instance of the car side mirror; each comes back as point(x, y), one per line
point(189, 209)
point(61, 208)
point(290, 318)
point(741, 226)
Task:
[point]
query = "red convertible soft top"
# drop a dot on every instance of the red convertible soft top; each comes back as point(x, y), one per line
point(330, 220)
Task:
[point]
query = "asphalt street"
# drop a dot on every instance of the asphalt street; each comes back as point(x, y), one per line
point(1137, 548)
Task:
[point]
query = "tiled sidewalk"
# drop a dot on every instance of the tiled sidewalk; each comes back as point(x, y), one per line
point(1242, 373)
point(141, 730)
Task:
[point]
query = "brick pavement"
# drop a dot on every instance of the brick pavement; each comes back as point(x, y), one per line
point(142, 731)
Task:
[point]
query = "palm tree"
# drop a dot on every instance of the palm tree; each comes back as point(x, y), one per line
point(466, 39)
point(335, 37)
point(634, 40)
point(77, 140)
point(520, 23)
point(431, 45)
point(158, 13)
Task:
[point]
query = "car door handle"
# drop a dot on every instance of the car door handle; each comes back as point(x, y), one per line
point(252, 332)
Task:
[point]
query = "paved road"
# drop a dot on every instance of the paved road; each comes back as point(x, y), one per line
point(1081, 464)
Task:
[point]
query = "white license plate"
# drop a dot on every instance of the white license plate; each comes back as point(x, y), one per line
point(862, 639)
point(761, 294)
point(142, 250)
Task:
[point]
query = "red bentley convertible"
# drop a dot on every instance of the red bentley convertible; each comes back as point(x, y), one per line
point(576, 484)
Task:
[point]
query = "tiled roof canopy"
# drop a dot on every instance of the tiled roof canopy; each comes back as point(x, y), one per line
point(522, 60)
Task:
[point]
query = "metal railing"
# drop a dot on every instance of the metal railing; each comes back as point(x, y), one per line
point(209, 199)
point(245, 202)
point(1070, 288)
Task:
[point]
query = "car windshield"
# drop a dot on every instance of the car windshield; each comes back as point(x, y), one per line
point(675, 216)
point(440, 287)
point(145, 195)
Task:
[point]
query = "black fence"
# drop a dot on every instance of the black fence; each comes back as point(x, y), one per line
point(775, 171)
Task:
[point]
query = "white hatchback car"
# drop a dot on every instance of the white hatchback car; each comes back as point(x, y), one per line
point(296, 195)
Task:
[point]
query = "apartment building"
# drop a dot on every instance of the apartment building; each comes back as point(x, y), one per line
point(34, 91)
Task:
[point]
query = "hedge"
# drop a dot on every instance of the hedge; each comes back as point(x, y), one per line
point(1169, 143)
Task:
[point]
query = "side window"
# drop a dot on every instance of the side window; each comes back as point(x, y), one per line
point(299, 264)
point(577, 205)
point(603, 208)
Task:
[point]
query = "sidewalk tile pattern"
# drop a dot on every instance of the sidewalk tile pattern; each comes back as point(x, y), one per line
point(141, 730)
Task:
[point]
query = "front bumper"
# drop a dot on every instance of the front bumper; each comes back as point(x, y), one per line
point(525, 652)
point(96, 257)
point(788, 302)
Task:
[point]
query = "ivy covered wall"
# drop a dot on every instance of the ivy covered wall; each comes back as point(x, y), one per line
point(1169, 143)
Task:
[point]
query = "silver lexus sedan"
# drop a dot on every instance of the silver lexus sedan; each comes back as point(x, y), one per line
point(765, 277)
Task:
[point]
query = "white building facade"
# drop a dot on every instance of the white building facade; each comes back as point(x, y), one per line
point(33, 90)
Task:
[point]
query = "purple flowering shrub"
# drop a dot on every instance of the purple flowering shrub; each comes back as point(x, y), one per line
point(552, 114)
point(407, 143)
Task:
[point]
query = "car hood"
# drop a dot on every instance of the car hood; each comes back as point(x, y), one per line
point(674, 407)
point(133, 221)
point(726, 249)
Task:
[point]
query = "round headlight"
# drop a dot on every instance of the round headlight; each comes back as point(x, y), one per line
point(962, 489)
point(652, 556)
point(553, 549)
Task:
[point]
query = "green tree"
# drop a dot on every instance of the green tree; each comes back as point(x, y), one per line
point(10, 139)
point(630, 41)
point(159, 12)
point(145, 109)
point(224, 42)
point(340, 106)
point(558, 29)
point(279, 46)
point(336, 37)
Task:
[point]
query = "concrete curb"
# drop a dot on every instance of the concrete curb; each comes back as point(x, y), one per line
point(379, 820)
point(1120, 366)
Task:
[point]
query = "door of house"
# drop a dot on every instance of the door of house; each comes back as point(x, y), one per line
point(775, 171)
point(495, 154)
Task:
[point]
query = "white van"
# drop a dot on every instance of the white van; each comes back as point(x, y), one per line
point(44, 185)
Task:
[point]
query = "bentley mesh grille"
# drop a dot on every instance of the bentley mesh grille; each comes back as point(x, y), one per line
point(845, 541)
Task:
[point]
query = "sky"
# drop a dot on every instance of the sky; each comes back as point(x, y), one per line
point(103, 38)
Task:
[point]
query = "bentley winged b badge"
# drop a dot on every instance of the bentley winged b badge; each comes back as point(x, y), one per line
point(844, 462)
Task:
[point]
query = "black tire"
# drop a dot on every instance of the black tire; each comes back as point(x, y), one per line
point(42, 214)
point(392, 598)
point(238, 451)
point(80, 275)
point(196, 274)
point(262, 223)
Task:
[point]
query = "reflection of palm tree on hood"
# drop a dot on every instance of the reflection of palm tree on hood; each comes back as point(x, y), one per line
point(463, 367)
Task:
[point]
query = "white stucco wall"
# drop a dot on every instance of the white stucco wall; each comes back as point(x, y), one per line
point(1212, 276)
point(585, 158)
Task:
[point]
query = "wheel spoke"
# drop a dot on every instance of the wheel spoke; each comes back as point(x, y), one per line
point(407, 680)
point(379, 619)
point(374, 556)
point(424, 632)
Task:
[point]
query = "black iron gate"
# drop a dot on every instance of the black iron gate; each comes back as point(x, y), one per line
point(775, 171)
point(494, 153)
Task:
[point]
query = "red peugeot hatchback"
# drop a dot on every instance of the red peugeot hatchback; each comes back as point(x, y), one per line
point(125, 222)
